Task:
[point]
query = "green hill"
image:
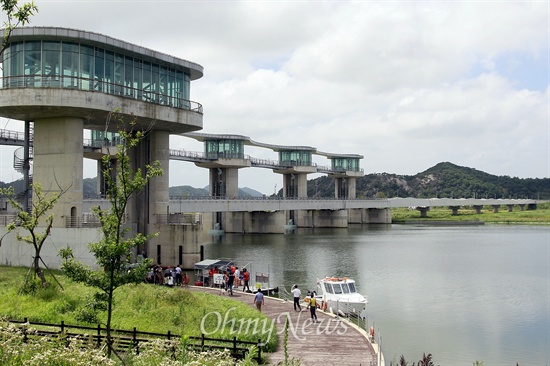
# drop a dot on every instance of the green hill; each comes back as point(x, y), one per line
point(442, 180)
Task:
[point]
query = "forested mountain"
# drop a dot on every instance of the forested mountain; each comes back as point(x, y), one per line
point(442, 180)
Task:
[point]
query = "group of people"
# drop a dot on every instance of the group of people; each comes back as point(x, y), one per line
point(231, 278)
point(312, 303)
point(168, 276)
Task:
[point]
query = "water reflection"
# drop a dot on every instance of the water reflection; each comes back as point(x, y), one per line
point(460, 293)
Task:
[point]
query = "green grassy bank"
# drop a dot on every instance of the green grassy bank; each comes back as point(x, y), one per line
point(540, 216)
point(147, 307)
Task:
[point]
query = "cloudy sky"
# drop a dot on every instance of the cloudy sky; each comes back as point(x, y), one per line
point(406, 84)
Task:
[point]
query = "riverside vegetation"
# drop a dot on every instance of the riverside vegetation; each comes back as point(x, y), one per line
point(540, 216)
point(147, 307)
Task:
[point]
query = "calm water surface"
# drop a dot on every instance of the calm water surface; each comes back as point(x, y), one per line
point(461, 293)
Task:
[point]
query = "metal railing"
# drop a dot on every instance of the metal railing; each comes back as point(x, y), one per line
point(180, 218)
point(84, 221)
point(101, 86)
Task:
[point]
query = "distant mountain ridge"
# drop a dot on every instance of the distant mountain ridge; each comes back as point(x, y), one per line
point(442, 180)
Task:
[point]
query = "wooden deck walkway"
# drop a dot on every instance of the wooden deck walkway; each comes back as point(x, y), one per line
point(329, 342)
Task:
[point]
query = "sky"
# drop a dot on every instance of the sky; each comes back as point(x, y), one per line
point(405, 84)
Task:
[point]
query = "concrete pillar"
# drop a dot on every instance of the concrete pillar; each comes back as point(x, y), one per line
point(495, 208)
point(224, 182)
point(454, 209)
point(510, 208)
point(101, 182)
point(423, 211)
point(521, 207)
point(477, 208)
point(378, 216)
point(345, 187)
point(158, 187)
point(295, 185)
point(58, 162)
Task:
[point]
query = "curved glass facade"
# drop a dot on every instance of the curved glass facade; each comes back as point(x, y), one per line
point(51, 64)
point(230, 149)
point(295, 157)
point(346, 164)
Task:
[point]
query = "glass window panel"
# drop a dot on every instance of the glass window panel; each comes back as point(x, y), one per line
point(99, 70)
point(14, 64)
point(51, 63)
point(147, 81)
point(155, 82)
point(171, 86)
point(163, 85)
point(180, 96)
point(69, 61)
point(119, 74)
point(352, 287)
point(86, 66)
point(109, 72)
point(345, 288)
point(33, 64)
point(128, 77)
point(337, 288)
point(138, 82)
point(328, 288)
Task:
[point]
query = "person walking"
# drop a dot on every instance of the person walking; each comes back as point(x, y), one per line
point(296, 293)
point(259, 300)
point(312, 307)
point(246, 279)
point(186, 280)
point(230, 281)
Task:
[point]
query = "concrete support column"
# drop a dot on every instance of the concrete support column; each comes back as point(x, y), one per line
point(345, 187)
point(295, 185)
point(510, 208)
point(101, 189)
point(477, 208)
point(58, 155)
point(521, 207)
point(224, 182)
point(423, 211)
point(454, 210)
point(159, 195)
point(495, 208)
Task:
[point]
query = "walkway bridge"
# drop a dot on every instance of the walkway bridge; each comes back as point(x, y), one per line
point(92, 148)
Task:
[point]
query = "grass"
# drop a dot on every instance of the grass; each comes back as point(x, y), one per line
point(147, 307)
point(540, 216)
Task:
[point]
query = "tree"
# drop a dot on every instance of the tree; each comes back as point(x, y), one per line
point(114, 251)
point(32, 222)
point(16, 15)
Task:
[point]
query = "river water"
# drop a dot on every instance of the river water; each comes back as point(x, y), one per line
point(461, 293)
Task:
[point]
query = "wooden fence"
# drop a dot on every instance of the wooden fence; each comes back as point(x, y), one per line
point(123, 340)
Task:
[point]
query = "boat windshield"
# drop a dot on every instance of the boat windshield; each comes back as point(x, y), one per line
point(337, 288)
point(352, 287)
point(328, 288)
point(345, 288)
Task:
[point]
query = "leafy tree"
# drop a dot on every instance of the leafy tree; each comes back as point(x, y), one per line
point(113, 252)
point(16, 15)
point(35, 222)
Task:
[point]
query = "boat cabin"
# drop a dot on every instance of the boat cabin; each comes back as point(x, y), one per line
point(337, 286)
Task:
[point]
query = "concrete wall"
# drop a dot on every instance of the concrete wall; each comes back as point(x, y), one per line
point(256, 222)
point(329, 218)
point(17, 253)
point(170, 239)
point(58, 164)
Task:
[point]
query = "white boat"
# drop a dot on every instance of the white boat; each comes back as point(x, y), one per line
point(340, 296)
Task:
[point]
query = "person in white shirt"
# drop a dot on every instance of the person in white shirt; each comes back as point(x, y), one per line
point(296, 293)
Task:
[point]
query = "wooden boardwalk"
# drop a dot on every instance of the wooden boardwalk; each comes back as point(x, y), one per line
point(329, 342)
